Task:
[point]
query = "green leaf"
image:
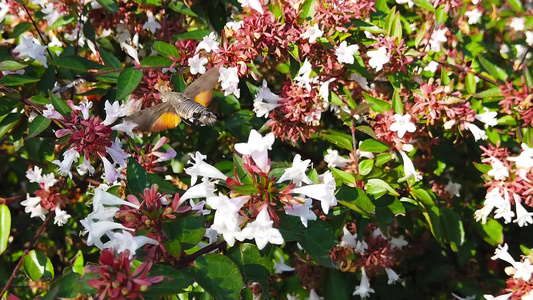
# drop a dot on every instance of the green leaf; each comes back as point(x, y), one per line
point(78, 263)
point(378, 106)
point(423, 196)
point(307, 10)
point(355, 199)
point(174, 283)
point(254, 267)
point(378, 188)
point(68, 286)
point(190, 230)
point(128, 80)
point(37, 265)
point(335, 286)
point(59, 104)
point(38, 125)
point(181, 8)
point(11, 65)
point(21, 28)
point(366, 166)
point(137, 177)
point(5, 226)
point(432, 216)
point(166, 49)
point(338, 140)
point(366, 130)
point(491, 232)
point(453, 230)
point(361, 25)
point(346, 177)
point(194, 34)
point(493, 92)
point(424, 4)
point(109, 5)
point(156, 61)
point(516, 5)
point(441, 15)
point(397, 104)
point(17, 80)
point(318, 240)
point(374, 146)
point(64, 20)
point(149, 2)
point(218, 275)
point(493, 69)
point(483, 168)
point(470, 83)
point(110, 60)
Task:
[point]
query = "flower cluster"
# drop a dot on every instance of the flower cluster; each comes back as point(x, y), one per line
point(256, 196)
point(509, 182)
point(47, 198)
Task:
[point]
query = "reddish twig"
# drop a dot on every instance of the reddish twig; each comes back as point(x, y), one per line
point(32, 244)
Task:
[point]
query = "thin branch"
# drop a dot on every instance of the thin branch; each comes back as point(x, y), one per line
point(37, 29)
point(30, 247)
point(188, 259)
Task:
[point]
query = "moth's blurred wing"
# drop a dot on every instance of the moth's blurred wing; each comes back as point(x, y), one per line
point(201, 90)
point(156, 118)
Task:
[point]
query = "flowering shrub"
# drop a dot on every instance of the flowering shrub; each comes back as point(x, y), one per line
point(363, 149)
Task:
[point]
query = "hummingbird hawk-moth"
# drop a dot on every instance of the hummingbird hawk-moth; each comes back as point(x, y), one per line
point(190, 105)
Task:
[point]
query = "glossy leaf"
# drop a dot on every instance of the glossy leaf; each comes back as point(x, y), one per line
point(36, 265)
point(127, 82)
point(5, 227)
point(374, 146)
point(218, 275)
point(38, 125)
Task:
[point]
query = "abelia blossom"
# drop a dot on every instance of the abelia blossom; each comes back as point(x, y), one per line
point(296, 173)
point(518, 24)
point(304, 211)
point(262, 231)
point(257, 148)
point(201, 168)
point(229, 81)
point(312, 33)
point(473, 16)
point(197, 64)
point(378, 58)
point(363, 290)
point(437, 38)
point(114, 278)
point(402, 125)
point(335, 160)
point(208, 43)
point(28, 48)
point(345, 53)
point(151, 23)
point(324, 192)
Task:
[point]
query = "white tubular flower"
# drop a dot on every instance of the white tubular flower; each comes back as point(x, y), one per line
point(402, 124)
point(201, 168)
point(68, 158)
point(363, 290)
point(208, 43)
point(409, 168)
point(257, 147)
point(312, 33)
point(262, 231)
point(303, 79)
point(197, 64)
point(61, 217)
point(345, 53)
point(296, 173)
point(378, 58)
point(335, 160)
point(121, 242)
point(325, 192)
point(303, 211)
